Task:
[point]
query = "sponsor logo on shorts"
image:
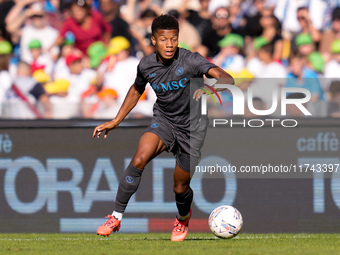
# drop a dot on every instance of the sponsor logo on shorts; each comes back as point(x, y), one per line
point(154, 125)
point(129, 179)
point(179, 71)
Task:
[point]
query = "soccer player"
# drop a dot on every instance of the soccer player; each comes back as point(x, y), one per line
point(168, 70)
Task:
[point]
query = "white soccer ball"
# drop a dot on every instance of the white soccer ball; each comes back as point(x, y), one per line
point(225, 221)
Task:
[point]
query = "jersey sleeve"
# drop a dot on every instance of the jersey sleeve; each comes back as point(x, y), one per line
point(140, 81)
point(200, 64)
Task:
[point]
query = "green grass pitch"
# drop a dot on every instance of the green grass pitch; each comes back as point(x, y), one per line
point(159, 243)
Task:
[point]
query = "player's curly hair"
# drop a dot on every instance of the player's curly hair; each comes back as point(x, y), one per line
point(164, 21)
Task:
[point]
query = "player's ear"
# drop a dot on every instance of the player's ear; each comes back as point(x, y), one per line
point(153, 40)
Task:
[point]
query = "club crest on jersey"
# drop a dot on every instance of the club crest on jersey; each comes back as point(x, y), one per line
point(179, 71)
point(155, 87)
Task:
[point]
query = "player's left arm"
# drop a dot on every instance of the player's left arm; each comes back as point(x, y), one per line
point(220, 75)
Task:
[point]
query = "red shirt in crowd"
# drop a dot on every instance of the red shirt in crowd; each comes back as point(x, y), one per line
point(84, 37)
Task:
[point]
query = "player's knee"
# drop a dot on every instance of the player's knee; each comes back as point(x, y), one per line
point(139, 161)
point(180, 188)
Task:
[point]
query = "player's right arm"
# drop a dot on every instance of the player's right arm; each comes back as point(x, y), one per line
point(129, 103)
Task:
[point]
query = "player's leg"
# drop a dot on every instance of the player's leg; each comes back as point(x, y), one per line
point(187, 157)
point(150, 145)
point(183, 192)
point(183, 197)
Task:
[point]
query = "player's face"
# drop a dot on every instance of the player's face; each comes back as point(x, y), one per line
point(166, 43)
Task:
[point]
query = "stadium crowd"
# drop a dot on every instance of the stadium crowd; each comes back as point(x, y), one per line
point(77, 59)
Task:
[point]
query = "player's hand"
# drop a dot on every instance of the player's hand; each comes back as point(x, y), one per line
point(198, 93)
point(107, 126)
point(26, 2)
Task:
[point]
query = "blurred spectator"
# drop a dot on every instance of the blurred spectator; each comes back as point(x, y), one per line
point(120, 62)
point(254, 64)
point(5, 7)
point(215, 4)
point(263, 88)
point(249, 6)
point(271, 31)
point(212, 35)
point(58, 87)
point(253, 27)
point(229, 57)
point(285, 11)
point(80, 79)
point(331, 5)
point(306, 24)
point(305, 44)
point(97, 52)
point(27, 99)
point(303, 77)
point(60, 68)
point(103, 107)
point(318, 13)
point(86, 25)
point(111, 13)
point(316, 62)
point(133, 9)
point(236, 17)
point(200, 18)
point(53, 12)
point(141, 31)
point(243, 78)
point(41, 76)
point(331, 34)
point(5, 77)
point(188, 36)
point(40, 60)
point(33, 17)
point(334, 105)
point(332, 68)
point(180, 5)
point(93, 3)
